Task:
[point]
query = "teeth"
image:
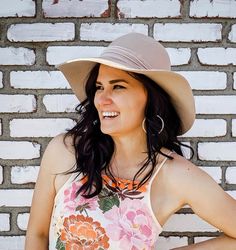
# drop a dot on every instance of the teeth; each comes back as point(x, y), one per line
point(110, 114)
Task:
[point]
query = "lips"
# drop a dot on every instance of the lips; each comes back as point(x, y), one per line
point(109, 114)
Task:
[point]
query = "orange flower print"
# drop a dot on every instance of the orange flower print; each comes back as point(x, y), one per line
point(82, 233)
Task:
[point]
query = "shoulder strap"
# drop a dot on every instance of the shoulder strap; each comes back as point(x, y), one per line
point(159, 168)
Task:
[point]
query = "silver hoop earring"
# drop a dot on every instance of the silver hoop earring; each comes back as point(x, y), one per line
point(143, 126)
point(162, 124)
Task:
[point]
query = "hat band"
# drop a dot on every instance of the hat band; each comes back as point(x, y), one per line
point(125, 57)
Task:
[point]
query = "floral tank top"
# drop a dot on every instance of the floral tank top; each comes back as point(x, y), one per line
point(119, 217)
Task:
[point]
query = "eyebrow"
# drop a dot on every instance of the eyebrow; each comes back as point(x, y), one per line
point(113, 81)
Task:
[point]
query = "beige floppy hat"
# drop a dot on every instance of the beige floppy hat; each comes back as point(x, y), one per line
point(141, 54)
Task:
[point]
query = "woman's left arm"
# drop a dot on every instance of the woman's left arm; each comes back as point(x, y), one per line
point(210, 202)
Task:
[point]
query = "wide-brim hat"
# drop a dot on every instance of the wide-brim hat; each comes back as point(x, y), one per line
point(141, 54)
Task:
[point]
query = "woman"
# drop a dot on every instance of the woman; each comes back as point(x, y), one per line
point(114, 179)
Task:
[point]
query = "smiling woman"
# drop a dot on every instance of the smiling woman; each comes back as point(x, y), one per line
point(113, 180)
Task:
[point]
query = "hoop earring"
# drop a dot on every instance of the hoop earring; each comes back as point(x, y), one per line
point(143, 126)
point(162, 124)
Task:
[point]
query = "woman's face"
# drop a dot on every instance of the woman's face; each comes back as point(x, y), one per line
point(120, 101)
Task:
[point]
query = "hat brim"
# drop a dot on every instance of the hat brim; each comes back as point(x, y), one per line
point(77, 72)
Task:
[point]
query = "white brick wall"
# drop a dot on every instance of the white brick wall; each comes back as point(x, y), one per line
point(0, 127)
point(179, 56)
point(188, 32)
point(213, 8)
point(39, 127)
point(234, 127)
point(19, 150)
point(74, 8)
point(234, 81)
point(109, 31)
point(148, 8)
point(4, 222)
point(214, 172)
point(60, 103)
point(16, 56)
point(200, 239)
point(22, 221)
point(205, 80)
point(24, 174)
point(213, 104)
point(12, 242)
point(38, 32)
point(16, 197)
point(38, 80)
point(232, 34)
point(230, 175)
point(1, 175)
point(1, 84)
point(217, 151)
point(207, 128)
point(17, 103)
point(16, 8)
point(167, 243)
point(217, 56)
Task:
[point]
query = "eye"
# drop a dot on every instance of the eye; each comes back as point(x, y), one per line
point(119, 87)
point(98, 87)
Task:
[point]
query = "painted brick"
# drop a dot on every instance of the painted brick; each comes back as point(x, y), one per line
point(0, 127)
point(207, 128)
point(232, 34)
point(1, 175)
point(75, 8)
point(186, 151)
point(213, 8)
point(17, 103)
point(1, 83)
point(24, 174)
point(217, 56)
point(59, 54)
point(16, 197)
point(40, 32)
point(39, 127)
point(16, 8)
point(230, 175)
point(16, 56)
point(60, 103)
point(214, 172)
point(38, 80)
point(109, 31)
point(234, 81)
point(234, 127)
point(213, 104)
point(22, 221)
point(19, 150)
point(12, 242)
point(201, 239)
point(217, 151)
point(187, 32)
point(4, 222)
point(148, 8)
point(179, 56)
point(205, 80)
point(170, 242)
point(187, 223)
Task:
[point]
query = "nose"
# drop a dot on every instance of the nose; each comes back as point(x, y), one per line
point(103, 98)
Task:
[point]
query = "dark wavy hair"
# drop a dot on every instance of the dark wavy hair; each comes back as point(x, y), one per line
point(94, 150)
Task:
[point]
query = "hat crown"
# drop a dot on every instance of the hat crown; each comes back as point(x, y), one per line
point(135, 50)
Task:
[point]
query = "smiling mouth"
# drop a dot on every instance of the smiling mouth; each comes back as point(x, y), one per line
point(109, 115)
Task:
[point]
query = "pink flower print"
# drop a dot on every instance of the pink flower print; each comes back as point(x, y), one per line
point(134, 227)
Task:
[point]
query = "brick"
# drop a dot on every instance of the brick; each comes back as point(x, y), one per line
point(148, 8)
point(207, 128)
point(59, 54)
point(234, 127)
point(217, 151)
point(185, 150)
point(234, 81)
point(232, 34)
point(214, 172)
point(215, 104)
point(201, 239)
point(60, 103)
point(188, 32)
point(1, 175)
point(213, 8)
point(16, 56)
point(217, 56)
point(12, 242)
point(230, 175)
point(19, 150)
point(22, 220)
point(16, 8)
point(0, 127)
point(232, 194)
point(45, 127)
point(17, 103)
point(38, 80)
point(171, 242)
point(109, 31)
point(179, 56)
point(187, 223)
point(205, 80)
point(24, 174)
point(16, 197)
point(75, 8)
point(1, 83)
point(41, 32)
point(4, 222)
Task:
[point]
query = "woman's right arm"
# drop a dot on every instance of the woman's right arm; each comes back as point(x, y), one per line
point(37, 235)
